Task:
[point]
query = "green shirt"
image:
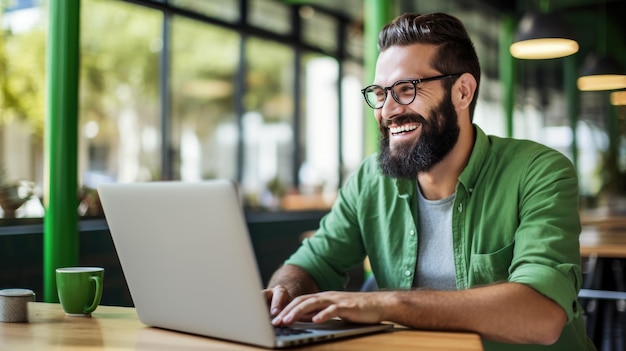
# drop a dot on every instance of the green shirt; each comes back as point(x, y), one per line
point(515, 218)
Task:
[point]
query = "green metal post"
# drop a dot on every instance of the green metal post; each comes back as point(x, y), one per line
point(376, 14)
point(507, 71)
point(61, 140)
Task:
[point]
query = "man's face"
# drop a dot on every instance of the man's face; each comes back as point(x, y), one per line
point(439, 133)
point(417, 136)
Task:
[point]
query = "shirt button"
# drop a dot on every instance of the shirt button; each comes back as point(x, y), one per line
point(412, 232)
point(407, 273)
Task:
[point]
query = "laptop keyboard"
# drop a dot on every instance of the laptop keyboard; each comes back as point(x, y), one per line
point(283, 331)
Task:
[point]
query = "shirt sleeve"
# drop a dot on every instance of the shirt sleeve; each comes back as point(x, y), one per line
point(546, 252)
point(337, 245)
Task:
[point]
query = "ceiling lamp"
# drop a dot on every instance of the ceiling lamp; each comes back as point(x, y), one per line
point(542, 36)
point(618, 98)
point(601, 73)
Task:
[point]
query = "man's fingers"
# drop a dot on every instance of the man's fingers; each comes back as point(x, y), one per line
point(321, 307)
point(280, 297)
point(267, 294)
point(302, 308)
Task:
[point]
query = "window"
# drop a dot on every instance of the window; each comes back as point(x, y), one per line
point(270, 15)
point(225, 10)
point(185, 90)
point(268, 122)
point(319, 29)
point(203, 126)
point(319, 173)
point(119, 111)
point(22, 99)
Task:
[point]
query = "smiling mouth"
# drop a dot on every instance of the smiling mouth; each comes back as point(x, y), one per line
point(403, 128)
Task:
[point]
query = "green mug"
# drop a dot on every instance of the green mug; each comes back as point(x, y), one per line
point(80, 289)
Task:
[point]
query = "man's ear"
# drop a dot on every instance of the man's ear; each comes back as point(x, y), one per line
point(464, 89)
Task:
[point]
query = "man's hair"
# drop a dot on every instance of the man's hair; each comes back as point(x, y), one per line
point(455, 50)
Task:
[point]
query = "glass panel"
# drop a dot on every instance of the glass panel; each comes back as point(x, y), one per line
point(119, 138)
point(225, 10)
point(355, 115)
point(598, 167)
point(319, 171)
point(204, 126)
point(318, 29)
point(22, 99)
point(268, 122)
point(270, 15)
point(354, 40)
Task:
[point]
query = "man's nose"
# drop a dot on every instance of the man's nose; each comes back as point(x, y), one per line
point(390, 107)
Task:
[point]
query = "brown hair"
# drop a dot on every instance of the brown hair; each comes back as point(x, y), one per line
point(455, 50)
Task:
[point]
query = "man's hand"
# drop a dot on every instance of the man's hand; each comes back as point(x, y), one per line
point(277, 298)
point(286, 283)
point(320, 307)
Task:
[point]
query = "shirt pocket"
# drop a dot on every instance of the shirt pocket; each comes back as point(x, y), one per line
point(491, 267)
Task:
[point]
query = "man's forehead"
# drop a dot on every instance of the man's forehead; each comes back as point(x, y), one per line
point(403, 62)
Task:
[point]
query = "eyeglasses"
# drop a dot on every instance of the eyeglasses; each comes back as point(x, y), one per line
point(403, 91)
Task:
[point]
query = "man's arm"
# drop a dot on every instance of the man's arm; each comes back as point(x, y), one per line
point(506, 312)
point(286, 283)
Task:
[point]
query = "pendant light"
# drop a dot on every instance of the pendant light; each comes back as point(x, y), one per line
point(600, 71)
point(618, 98)
point(543, 36)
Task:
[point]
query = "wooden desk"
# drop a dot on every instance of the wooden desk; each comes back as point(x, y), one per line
point(603, 244)
point(118, 328)
point(603, 241)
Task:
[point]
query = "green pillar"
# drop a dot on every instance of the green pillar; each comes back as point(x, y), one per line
point(376, 14)
point(61, 140)
point(507, 71)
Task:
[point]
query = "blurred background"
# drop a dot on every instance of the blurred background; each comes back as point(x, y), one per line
point(266, 92)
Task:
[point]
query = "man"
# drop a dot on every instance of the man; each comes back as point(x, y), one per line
point(464, 231)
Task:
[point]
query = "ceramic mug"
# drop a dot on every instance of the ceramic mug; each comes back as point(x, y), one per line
point(80, 289)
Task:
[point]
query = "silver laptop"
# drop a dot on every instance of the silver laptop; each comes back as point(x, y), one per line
point(188, 260)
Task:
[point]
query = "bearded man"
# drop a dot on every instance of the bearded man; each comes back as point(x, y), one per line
point(463, 231)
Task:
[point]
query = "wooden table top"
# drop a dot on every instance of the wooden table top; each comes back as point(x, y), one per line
point(605, 241)
point(118, 328)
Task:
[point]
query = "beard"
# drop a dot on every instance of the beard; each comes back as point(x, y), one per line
point(438, 136)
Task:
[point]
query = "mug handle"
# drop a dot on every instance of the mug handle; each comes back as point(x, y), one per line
point(98, 295)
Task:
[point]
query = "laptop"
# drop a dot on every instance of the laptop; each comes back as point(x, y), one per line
point(190, 266)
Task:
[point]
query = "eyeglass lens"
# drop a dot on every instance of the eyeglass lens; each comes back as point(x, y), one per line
point(402, 91)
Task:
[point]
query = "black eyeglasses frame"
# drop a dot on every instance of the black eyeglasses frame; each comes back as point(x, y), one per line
point(415, 82)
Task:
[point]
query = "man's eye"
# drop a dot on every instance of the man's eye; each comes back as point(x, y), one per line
point(378, 94)
point(405, 89)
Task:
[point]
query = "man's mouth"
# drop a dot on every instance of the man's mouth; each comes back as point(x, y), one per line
point(398, 130)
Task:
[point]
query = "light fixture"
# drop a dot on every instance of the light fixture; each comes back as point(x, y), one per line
point(618, 98)
point(542, 36)
point(601, 73)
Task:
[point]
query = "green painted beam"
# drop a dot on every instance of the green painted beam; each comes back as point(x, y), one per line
point(507, 71)
point(376, 14)
point(61, 143)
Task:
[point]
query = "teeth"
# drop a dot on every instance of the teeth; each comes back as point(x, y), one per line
point(404, 128)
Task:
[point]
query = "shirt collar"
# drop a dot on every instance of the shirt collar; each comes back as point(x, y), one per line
point(477, 159)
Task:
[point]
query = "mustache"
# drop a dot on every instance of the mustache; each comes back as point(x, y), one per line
point(403, 119)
